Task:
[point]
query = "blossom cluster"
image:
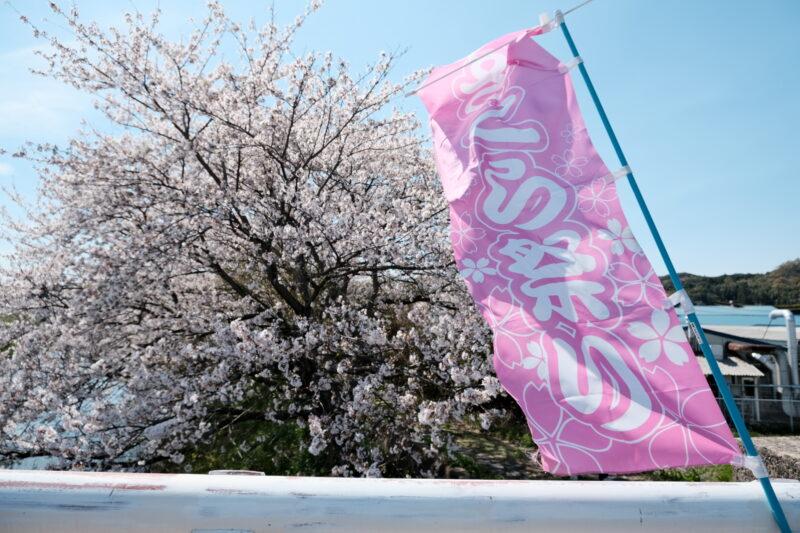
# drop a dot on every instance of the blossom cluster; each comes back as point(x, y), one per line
point(255, 241)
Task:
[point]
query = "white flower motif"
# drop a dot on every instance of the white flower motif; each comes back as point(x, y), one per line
point(477, 270)
point(464, 235)
point(596, 196)
point(569, 164)
point(637, 282)
point(620, 237)
point(660, 339)
point(569, 133)
point(536, 360)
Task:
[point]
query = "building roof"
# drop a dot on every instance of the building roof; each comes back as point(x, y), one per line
point(731, 366)
point(772, 334)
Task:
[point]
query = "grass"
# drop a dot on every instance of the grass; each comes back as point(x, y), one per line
point(718, 473)
point(505, 441)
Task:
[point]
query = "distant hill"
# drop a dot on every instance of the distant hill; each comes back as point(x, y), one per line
point(779, 287)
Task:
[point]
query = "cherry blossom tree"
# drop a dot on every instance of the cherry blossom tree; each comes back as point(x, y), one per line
point(259, 241)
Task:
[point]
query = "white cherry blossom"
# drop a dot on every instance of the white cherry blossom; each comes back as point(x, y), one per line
point(464, 235)
point(257, 245)
point(477, 270)
point(620, 237)
point(536, 360)
point(570, 134)
point(569, 164)
point(595, 197)
point(661, 339)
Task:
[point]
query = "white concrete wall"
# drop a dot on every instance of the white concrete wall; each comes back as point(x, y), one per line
point(75, 502)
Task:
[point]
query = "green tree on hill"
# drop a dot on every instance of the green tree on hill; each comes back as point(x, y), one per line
point(779, 287)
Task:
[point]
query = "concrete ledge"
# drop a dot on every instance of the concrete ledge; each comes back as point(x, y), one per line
point(37, 501)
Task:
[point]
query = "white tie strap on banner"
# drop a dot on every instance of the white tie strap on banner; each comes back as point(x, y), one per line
point(566, 67)
point(547, 24)
point(682, 298)
point(617, 174)
point(752, 463)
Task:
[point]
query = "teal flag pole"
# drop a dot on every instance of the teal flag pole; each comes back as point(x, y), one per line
point(694, 323)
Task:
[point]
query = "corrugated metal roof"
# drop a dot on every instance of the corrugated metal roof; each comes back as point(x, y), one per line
point(732, 366)
point(773, 334)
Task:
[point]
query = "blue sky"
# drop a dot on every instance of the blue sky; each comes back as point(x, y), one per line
point(703, 96)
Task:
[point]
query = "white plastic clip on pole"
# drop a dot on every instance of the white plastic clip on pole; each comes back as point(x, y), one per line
point(617, 174)
point(547, 24)
point(752, 463)
point(574, 62)
point(681, 298)
point(544, 19)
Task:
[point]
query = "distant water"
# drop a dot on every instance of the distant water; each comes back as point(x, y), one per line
point(722, 315)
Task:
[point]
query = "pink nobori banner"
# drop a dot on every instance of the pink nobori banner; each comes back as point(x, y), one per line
point(585, 338)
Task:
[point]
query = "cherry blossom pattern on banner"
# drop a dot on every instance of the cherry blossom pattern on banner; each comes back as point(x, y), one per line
point(582, 337)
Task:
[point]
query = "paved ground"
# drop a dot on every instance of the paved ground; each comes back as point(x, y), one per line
point(498, 457)
point(781, 456)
